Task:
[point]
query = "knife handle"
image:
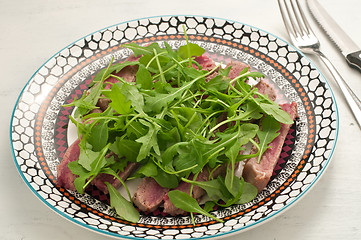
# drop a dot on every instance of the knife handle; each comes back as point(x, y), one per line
point(354, 59)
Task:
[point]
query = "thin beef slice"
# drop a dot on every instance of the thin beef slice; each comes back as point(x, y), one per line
point(259, 174)
point(236, 68)
point(65, 177)
point(149, 195)
point(265, 89)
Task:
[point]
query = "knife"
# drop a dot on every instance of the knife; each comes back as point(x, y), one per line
point(348, 48)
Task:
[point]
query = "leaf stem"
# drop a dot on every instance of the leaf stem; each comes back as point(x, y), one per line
point(159, 66)
point(98, 160)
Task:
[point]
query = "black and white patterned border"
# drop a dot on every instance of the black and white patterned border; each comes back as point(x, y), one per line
point(39, 87)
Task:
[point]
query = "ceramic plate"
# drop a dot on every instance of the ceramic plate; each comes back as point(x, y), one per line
point(39, 132)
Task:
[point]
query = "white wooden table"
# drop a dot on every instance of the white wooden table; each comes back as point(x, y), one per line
point(32, 31)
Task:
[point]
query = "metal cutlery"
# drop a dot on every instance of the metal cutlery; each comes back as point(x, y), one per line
point(306, 41)
point(348, 48)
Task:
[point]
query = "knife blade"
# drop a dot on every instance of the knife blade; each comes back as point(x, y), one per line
point(344, 43)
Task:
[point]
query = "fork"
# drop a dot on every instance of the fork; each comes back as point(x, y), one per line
point(306, 41)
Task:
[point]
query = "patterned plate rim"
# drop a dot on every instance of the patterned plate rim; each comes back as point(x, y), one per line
point(218, 235)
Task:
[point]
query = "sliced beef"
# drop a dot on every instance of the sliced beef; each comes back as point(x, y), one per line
point(128, 73)
point(207, 64)
point(265, 89)
point(103, 103)
point(259, 174)
point(236, 68)
point(149, 195)
point(96, 110)
point(99, 181)
point(65, 176)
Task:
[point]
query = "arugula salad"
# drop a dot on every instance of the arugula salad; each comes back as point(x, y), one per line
point(173, 124)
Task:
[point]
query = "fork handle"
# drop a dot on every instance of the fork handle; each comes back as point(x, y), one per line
point(351, 98)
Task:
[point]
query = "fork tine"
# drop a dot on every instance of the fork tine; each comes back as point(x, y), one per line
point(294, 23)
point(287, 20)
point(304, 19)
point(299, 16)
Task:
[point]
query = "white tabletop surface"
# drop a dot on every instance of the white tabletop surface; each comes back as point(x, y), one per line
point(32, 31)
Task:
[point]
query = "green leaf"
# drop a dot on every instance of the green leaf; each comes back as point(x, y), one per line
point(249, 193)
point(99, 161)
point(118, 100)
point(267, 133)
point(214, 189)
point(252, 111)
point(159, 101)
point(169, 154)
point(143, 50)
point(234, 184)
point(83, 105)
point(226, 140)
point(172, 53)
point(155, 63)
point(167, 139)
point(136, 129)
point(82, 173)
point(247, 131)
point(275, 111)
point(98, 137)
point(86, 157)
point(133, 95)
point(243, 76)
point(218, 84)
point(237, 190)
point(93, 96)
point(116, 164)
point(190, 50)
point(110, 171)
point(149, 169)
point(80, 182)
point(126, 148)
point(95, 166)
point(144, 78)
point(90, 98)
point(190, 117)
point(148, 141)
point(233, 151)
point(166, 180)
point(195, 155)
point(208, 206)
point(123, 208)
point(185, 202)
point(77, 168)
